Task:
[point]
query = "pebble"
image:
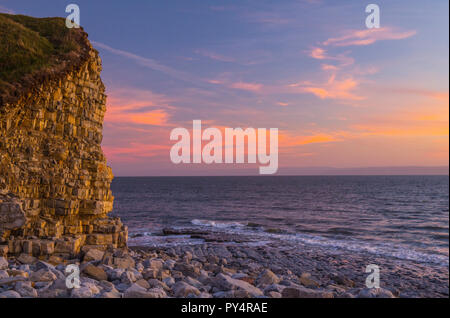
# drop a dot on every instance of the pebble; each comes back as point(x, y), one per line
point(209, 270)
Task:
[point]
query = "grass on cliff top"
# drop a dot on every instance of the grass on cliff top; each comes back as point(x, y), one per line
point(31, 46)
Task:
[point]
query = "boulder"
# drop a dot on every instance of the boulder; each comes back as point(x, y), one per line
point(136, 291)
point(82, 292)
point(225, 282)
point(43, 275)
point(95, 272)
point(25, 290)
point(303, 292)
point(10, 294)
point(375, 293)
point(306, 280)
point(26, 259)
point(93, 255)
point(183, 289)
point(3, 263)
point(267, 277)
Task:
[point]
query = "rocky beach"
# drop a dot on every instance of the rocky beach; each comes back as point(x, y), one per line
point(55, 197)
point(218, 270)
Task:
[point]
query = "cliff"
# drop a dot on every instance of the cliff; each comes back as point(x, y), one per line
point(54, 181)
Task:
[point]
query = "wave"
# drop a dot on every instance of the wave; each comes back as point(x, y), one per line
point(350, 245)
point(217, 224)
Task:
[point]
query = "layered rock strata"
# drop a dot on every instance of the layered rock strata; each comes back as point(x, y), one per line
point(54, 181)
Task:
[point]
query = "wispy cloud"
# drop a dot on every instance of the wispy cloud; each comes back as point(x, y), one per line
point(442, 96)
point(215, 56)
point(343, 59)
point(367, 37)
point(332, 89)
point(148, 62)
point(287, 140)
point(240, 85)
point(125, 106)
point(253, 87)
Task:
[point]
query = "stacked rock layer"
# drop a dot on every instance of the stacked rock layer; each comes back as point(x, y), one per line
point(54, 182)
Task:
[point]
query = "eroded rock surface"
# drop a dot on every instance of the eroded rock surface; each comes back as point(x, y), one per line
point(54, 181)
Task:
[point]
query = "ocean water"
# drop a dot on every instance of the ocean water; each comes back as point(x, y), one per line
point(404, 217)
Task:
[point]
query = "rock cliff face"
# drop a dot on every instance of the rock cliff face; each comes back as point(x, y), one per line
point(54, 181)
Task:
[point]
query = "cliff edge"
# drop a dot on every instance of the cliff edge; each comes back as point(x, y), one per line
point(54, 181)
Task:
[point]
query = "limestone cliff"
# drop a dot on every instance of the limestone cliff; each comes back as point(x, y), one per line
point(54, 181)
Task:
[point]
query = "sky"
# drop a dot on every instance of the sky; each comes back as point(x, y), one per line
point(341, 95)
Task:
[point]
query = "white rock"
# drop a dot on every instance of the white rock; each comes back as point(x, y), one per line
point(3, 263)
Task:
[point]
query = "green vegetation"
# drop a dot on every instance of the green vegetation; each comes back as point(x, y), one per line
point(34, 47)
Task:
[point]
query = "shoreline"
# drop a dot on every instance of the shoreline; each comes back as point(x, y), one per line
point(221, 270)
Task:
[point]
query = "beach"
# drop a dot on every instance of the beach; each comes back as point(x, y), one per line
point(221, 269)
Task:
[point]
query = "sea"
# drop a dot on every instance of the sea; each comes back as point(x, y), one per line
point(401, 217)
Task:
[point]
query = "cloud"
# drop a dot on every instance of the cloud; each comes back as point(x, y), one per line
point(149, 63)
point(245, 86)
point(157, 117)
point(332, 89)
point(367, 37)
point(328, 67)
point(135, 152)
point(410, 123)
point(134, 106)
point(442, 96)
point(253, 87)
point(287, 140)
point(319, 53)
point(215, 56)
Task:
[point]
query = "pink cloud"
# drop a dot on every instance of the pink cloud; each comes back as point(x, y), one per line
point(254, 87)
point(332, 89)
point(442, 96)
point(328, 67)
point(135, 106)
point(319, 53)
point(369, 36)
